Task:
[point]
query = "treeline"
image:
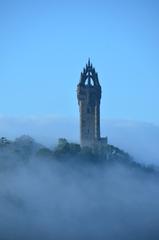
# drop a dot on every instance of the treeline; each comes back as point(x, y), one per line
point(67, 150)
point(25, 148)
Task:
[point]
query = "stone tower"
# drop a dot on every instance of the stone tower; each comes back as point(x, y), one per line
point(89, 96)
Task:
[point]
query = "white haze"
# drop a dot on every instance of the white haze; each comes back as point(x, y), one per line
point(139, 139)
point(52, 200)
point(45, 199)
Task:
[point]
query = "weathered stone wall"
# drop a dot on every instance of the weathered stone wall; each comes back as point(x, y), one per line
point(89, 107)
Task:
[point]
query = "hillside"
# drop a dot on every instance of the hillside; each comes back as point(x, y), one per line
point(25, 148)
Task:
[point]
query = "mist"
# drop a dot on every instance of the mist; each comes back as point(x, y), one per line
point(70, 199)
point(140, 139)
point(45, 199)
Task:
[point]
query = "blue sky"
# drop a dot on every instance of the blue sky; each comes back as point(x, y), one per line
point(45, 44)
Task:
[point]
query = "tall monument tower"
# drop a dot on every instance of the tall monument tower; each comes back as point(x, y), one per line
point(89, 96)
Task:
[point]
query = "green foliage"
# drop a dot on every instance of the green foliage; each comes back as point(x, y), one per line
point(62, 147)
point(66, 149)
point(74, 148)
point(87, 154)
point(44, 153)
point(24, 147)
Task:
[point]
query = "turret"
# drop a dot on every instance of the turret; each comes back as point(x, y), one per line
point(89, 95)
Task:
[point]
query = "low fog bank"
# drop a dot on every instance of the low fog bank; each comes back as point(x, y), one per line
point(139, 139)
point(44, 199)
point(70, 199)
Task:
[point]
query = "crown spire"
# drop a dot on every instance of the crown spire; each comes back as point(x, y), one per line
point(89, 63)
